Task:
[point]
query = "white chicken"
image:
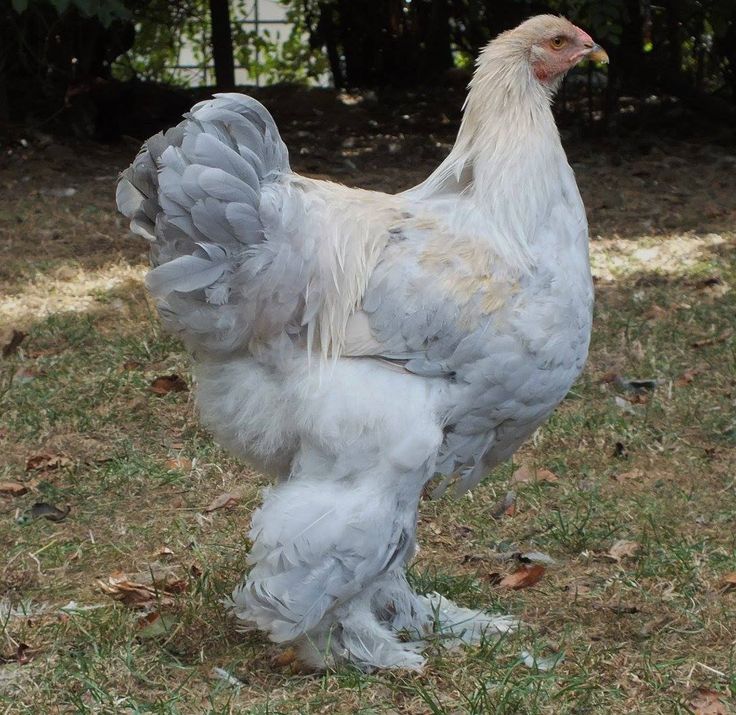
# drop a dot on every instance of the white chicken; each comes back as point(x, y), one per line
point(356, 344)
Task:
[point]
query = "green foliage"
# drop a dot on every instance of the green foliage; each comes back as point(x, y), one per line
point(162, 29)
point(268, 56)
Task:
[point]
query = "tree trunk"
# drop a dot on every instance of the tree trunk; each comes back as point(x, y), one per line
point(222, 44)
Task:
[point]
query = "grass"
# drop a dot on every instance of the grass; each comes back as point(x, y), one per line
point(642, 634)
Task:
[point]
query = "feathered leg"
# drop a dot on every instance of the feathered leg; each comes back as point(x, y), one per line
point(320, 550)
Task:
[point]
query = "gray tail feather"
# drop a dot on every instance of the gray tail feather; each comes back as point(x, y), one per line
point(194, 192)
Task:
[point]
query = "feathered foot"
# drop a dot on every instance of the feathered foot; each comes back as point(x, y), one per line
point(401, 609)
point(357, 638)
point(465, 626)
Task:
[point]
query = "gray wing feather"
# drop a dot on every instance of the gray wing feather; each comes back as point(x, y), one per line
point(195, 192)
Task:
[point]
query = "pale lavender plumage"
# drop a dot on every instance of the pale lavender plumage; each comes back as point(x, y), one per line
point(355, 344)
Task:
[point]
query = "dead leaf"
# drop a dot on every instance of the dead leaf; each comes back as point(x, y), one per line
point(627, 476)
point(525, 475)
point(46, 462)
point(524, 577)
point(224, 501)
point(655, 312)
point(705, 342)
point(635, 385)
point(181, 464)
point(129, 592)
point(22, 655)
point(580, 587)
point(507, 506)
point(623, 549)
point(25, 374)
point(544, 475)
point(11, 347)
point(285, 658)
point(462, 531)
point(13, 489)
point(168, 383)
point(623, 608)
point(43, 510)
point(131, 365)
point(686, 378)
point(707, 702)
point(157, 585)
point(77, 447)
point(156, 625)
point(728, 582)
point(713, 287)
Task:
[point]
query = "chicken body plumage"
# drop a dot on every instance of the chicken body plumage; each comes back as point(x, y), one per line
point(355, 344)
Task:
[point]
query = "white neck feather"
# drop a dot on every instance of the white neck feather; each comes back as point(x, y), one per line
point(505, 165)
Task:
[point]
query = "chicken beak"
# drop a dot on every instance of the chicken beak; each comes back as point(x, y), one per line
point(598, 54)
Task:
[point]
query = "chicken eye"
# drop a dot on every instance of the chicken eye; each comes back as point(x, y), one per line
point(558, 42)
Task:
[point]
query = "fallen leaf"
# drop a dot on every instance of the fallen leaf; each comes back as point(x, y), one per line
point(623, 549)
point(14, 489)
point(635, 385)
point(707, 702)
point(131, 365)
point(156, 625)
point(11, 347)
point(224, 501)
point(649, 629)
point(285, 658)
point(728, 582)
point(705, 342)
point(462, 531)
point(168, 383)
point(655, 312)
point(544, 475)
point(22, 655)
point(507, 506)
point(524, 577)
point(627, 476)
point(25, 374)
point(181, 464)
point(43, 510)
point(713, 288)
point(525, 475)
point(493, 577)
point(46, 462)
point(686, 378)
point(580, 587)
point(157, 585)
point(129, 592)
